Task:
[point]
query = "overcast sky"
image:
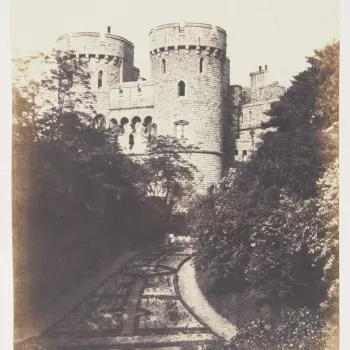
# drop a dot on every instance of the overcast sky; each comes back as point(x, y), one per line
point(279, 33)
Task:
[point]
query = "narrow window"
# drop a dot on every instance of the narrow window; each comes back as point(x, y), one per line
point(201, 63)
point(250, 116)
point(131, 141)
point(100, 76)
point(245, 153)
point(241, 118)
point(235, 154)
point(163, 66)
point(181, 88)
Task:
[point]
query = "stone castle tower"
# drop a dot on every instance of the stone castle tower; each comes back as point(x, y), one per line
point(189, 95)
point(190, 72)
point(110, 60)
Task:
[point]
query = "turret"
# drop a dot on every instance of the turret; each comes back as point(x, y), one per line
point(190, 72)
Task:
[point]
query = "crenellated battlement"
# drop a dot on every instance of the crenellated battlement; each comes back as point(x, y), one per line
point(93, 44)
point(188, 36)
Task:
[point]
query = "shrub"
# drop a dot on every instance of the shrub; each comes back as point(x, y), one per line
point(285, 252)
point(289, 329)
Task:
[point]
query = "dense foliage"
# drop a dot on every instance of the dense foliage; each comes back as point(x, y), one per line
point(77, 200)
point(270, 228)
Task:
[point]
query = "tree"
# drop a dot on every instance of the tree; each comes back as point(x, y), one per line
point(166, 165)
point(75, 199)
point(252, 205)
point(48, 86)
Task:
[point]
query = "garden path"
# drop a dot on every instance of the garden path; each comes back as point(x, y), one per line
point(137, 307)
point(194, 298)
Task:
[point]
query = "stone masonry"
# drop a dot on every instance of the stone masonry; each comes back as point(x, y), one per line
point(189, 95)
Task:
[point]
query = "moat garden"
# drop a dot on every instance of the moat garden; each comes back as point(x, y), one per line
point(100, 260)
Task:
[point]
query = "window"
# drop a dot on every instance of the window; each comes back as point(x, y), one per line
point(113, 124)
point(131, 141)
point(135, 121)
point(163, 66)
point(245, 154)
point(99, 122)
point(181, 89)
point(100, 76)
point(180, 129)
point(124, 123)
point(250, 116)
point(235, 154)
point(211, 190)
point(241, 118)
point(201, 65)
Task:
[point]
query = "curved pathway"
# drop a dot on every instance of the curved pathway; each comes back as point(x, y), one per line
point(139, 306)
point(193, 297)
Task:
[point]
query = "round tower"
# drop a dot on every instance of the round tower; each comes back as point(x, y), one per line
point(190, 72)
point(110, 60)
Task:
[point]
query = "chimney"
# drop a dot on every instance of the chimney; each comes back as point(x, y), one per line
point(109, 30)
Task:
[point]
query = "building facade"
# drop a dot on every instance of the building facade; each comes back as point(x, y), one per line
point(189, 95)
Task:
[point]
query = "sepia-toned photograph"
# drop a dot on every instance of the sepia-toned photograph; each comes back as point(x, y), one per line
point(175, 174)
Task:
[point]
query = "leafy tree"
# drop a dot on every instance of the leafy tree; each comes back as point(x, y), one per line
point(167, 163)
point(46, 87)
point(251, 207)
point(76, 203)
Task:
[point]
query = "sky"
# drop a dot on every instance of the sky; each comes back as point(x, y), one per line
point(279, 33)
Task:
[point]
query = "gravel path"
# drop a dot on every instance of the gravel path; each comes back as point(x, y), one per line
point(193, 297)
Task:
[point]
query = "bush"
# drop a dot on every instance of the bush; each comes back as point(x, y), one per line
point(285, 253)
point(289, 329)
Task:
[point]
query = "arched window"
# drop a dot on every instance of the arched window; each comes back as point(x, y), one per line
point(245, 154)
point(123, 123)
point(235, 154)
point(135, 120)
point(100, 77)
point(180, 129)
point(181, 89)
point(201, 65)
point(113, 124)
point(211, 190)
point(99, 122)
point(163, 66)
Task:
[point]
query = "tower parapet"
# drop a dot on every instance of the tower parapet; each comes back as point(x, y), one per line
point(93, 43)
point(188, 35)
point(104, 49)
point(109, 59)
